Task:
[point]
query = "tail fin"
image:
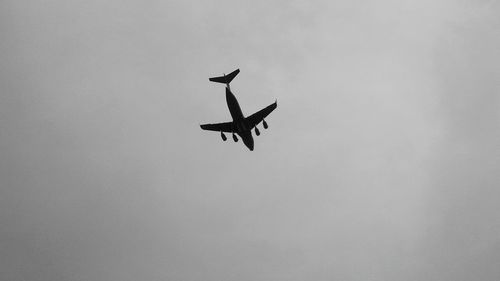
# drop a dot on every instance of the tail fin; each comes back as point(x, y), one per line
point(226, 79)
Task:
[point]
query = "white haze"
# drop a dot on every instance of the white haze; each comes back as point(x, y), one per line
point(382, 161)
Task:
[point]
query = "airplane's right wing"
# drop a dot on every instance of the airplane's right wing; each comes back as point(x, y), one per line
point(226, 127)
point(258, 116)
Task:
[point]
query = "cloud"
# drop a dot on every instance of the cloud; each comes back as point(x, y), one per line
point(380, 162)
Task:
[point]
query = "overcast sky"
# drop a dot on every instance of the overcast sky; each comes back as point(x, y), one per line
point(382, 160)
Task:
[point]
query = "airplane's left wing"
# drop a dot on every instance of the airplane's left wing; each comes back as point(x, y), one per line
point(258, 116)
point(226, 127)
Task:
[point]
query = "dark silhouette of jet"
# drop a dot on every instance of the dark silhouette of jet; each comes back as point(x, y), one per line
point(240, 125)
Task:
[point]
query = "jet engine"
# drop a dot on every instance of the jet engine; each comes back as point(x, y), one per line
point(257, 132)
point(265, 124)
point(224, 138)
point(235, 138)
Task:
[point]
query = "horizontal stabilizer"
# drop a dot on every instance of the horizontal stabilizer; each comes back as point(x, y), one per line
point(226, 79)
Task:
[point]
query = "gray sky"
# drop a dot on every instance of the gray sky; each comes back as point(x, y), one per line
point(382, 161)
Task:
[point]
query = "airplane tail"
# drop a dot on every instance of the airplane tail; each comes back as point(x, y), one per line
point(226, 79)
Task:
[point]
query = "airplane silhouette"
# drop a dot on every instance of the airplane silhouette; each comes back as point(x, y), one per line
point(240, 125)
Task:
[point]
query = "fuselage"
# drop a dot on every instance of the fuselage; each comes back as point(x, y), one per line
point(240, 126)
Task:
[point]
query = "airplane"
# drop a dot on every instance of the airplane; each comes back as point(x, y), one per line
point(240, 125)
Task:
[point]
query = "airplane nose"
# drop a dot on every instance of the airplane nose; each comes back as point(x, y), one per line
point(248, 140)
point(250, 146)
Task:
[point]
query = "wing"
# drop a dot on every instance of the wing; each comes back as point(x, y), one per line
point(219, 127)
point(258, 116)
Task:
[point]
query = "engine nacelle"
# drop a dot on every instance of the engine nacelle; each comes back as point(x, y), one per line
point(265, 124)
point(235, 138)
point(224, 138)
point(257, 132)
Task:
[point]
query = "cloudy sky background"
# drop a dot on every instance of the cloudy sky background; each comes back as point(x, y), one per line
point(382, 161)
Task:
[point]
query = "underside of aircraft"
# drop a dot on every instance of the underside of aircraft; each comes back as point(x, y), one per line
point(240, 125)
